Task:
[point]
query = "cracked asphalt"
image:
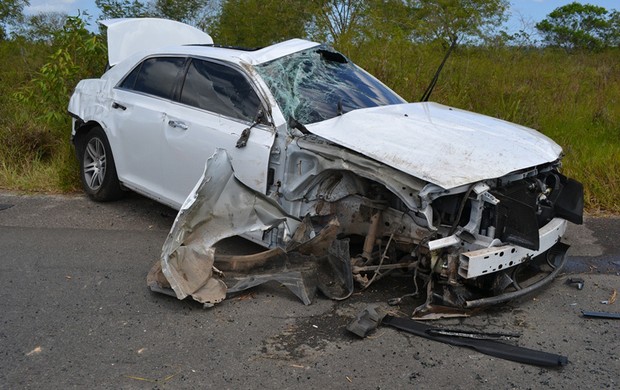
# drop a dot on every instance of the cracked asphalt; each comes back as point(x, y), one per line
point(76, 313)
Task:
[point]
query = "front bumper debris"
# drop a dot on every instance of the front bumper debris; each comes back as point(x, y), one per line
point(483, 261)
point(463, 263)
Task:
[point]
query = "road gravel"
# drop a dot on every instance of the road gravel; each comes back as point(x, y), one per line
point(76, 313)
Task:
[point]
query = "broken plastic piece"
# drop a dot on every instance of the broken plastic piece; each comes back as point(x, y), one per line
point(489, 347)
point(600, 314)
point(366, 321)
point(473, 334)
point(578, 282)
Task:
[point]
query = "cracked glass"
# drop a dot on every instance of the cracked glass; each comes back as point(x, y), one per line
point(319, 84)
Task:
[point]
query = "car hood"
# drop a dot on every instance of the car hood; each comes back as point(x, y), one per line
point(127, 36)
point(439, 144)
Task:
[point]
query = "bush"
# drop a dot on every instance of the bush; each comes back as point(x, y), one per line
point(35, 127)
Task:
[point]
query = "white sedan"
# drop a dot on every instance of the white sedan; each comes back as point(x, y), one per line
point(332, 172)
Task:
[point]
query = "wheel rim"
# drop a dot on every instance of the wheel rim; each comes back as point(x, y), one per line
point(94, 164)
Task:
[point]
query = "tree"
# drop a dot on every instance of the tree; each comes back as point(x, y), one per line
point(111, 9)
point(613, 34)
point(187, 11)
point(256, 23)
point(580, 26)
point(456, 21)
point(42, 27)
point(389, 20)
point(194, 12)
point(11, 12)
point(338, 21)
point(77, 54)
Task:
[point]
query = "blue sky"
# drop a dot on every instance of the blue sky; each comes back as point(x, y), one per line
point(524, 13)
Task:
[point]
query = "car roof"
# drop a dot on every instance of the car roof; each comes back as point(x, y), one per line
point(238, 55)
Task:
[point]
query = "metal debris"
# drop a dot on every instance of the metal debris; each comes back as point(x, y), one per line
point(577, 282)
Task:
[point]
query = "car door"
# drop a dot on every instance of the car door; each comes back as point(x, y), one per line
point(216, 104)
point(139, 106)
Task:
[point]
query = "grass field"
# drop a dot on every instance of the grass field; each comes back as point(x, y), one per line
point(572, 97)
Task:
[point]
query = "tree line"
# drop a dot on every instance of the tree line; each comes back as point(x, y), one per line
point(255, 23)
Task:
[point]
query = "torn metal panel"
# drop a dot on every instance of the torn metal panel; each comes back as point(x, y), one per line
point(222, 207)
point(310, 260)
point(315, 253)
point(219, 207)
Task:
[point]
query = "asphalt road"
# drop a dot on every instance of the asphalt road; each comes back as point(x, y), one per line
point(76, 312)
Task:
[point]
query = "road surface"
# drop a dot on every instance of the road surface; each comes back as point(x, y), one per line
point(76, 312)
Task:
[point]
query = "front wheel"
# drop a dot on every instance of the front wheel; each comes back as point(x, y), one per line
point(97, 169)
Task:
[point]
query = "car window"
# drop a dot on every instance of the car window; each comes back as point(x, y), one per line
point(155, 76)
point(220, 89)
point(318, 84)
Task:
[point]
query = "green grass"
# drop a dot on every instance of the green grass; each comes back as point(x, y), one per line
point(573, 98)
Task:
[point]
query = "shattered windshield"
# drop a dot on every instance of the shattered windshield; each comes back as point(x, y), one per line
point(318, 84)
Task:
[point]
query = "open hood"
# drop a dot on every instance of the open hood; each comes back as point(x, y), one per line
point(442, 145)
point(131, 35)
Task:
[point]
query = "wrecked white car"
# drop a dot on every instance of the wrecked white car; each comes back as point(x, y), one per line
point(335, 175)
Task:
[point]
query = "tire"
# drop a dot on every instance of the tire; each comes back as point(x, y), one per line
point(97, 169)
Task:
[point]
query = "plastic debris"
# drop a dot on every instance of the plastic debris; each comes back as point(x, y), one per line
point(577, 282)
point(600, 314)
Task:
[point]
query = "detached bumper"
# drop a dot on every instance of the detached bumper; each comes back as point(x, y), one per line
point(489, 260)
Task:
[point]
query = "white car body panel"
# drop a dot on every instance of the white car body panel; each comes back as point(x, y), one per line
point(278, 50)
point(131, 35)
point(167, 167)
point(187, 150)
point(136, 137)
point(442, 145)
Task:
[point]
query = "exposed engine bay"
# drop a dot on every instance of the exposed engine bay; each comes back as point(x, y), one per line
point(359, 221)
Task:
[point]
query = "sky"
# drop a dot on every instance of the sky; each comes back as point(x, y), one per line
point(524, 13)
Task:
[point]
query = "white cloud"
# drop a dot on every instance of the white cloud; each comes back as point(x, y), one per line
point(38, 6)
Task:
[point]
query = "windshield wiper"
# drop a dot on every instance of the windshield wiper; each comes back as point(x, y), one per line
point(295, 124)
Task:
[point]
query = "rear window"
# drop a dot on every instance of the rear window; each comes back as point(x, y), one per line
point(155, 76)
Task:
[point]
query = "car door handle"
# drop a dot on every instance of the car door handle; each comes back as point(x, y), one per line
point(178, 125)
point(117, 106)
